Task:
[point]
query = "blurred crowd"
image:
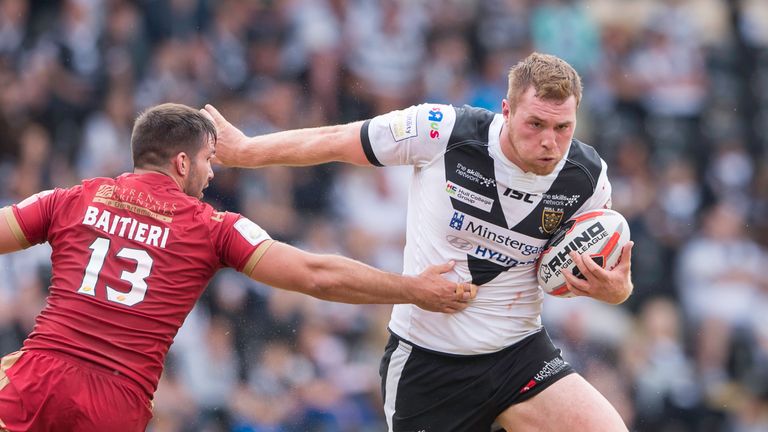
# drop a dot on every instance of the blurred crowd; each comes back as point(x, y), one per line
point(674, 93)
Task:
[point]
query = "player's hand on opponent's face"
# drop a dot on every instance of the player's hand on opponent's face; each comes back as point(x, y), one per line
point(611, 286)
point(438, 294)
point(230, 139)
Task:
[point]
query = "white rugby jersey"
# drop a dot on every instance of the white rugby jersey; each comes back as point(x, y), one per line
point(467, 202)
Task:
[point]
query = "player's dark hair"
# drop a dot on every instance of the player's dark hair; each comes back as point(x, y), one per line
point(163, 131)
point(552, 78)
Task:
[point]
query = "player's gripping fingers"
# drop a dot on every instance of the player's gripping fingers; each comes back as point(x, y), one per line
point(577, 286)
point(465, 291)
point(455, 307)
point(439, 294)
point(229, 140)
point(580, 285)
point(215, 114)
point(207, 115)
point(590, 269)
point(578, 261)
point(441, 268)
point(625, 259)
point(469, 291)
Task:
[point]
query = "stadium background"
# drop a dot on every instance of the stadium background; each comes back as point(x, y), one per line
point(675, 93)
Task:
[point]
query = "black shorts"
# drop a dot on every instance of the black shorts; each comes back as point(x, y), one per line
point(427, 391)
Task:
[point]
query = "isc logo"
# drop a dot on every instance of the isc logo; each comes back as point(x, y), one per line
point(518, 195)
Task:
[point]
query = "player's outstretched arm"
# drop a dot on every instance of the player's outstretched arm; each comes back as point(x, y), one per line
point(9, 240)
point(300, 147)
point(336, 278)
point(611, 286)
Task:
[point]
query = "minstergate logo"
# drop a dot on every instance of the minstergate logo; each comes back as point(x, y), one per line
point(507, 240)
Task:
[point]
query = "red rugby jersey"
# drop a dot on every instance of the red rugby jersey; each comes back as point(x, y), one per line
point(131, 256)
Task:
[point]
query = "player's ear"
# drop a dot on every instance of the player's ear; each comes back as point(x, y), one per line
point(181, 164)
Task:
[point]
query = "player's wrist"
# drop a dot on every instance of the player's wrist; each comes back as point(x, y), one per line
point(411, 289)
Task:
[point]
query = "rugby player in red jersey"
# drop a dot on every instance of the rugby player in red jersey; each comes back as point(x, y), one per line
point(131, 256)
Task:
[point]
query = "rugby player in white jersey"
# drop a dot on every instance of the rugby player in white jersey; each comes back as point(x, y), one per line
point(488, 190)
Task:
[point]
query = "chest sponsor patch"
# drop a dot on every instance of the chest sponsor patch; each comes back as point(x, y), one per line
point(459, 243)
point(468, 197)
point(251, 232)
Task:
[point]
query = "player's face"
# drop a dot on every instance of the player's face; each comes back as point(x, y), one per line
point(539, 132)
point(200, 172)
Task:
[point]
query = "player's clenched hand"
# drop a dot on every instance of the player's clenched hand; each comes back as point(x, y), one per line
point(229, 141)
point(437, 294)
point(611, 286)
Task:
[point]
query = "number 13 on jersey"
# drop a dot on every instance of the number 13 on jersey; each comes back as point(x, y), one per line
point(100, 250)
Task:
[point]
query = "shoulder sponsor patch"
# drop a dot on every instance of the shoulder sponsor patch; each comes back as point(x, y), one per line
point(467, 196)
point(402, 124)
point(251, 232)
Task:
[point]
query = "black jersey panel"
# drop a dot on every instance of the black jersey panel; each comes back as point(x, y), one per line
point(472, 124)
point(469, 168)
point(484, 271)
point(574, 185)
point(586, 157)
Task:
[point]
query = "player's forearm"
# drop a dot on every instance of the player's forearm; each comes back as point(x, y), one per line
point(340, 279)
point(302, 147)
point(336, 278)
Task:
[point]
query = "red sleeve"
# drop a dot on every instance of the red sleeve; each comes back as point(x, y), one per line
point(34, 215)
point(238, 241)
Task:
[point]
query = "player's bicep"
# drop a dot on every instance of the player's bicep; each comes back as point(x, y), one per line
point(11, 236)
point(345, 143)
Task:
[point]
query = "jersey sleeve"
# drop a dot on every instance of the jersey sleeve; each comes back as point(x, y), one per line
point(239, 242)
point(30, 219)
point(601, 198)
point(413, 136)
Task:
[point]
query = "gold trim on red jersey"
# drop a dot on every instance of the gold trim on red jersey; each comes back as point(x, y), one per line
point(261, 249)
point(133, 208)
point(15, 227)
point(6, 363)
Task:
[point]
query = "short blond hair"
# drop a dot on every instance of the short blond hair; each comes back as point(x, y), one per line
point(552, 78)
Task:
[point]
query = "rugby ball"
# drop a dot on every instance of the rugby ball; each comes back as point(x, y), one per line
point(599, 233)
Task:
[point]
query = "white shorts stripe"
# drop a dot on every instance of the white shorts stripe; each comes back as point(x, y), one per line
point(394, 372)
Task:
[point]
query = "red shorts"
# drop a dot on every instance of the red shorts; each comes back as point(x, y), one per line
point(49, 392)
